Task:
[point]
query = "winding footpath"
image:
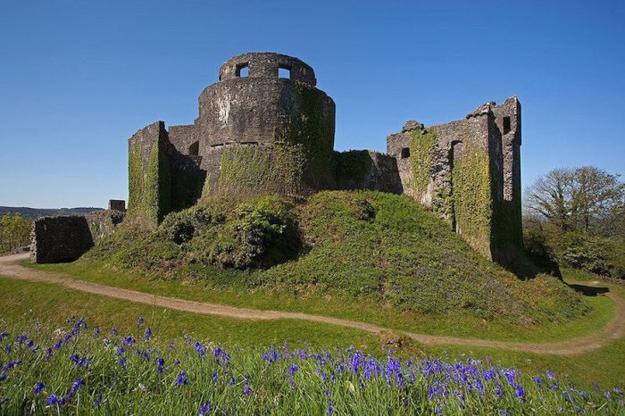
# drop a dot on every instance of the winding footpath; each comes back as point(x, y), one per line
point(9, 268)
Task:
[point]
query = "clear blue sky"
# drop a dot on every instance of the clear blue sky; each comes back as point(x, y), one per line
point(78, 78)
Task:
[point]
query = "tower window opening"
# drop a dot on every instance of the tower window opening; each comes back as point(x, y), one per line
point(506, 125)
point(243, 70)
point(405, 152)
point(194, 149)
point(284, 71)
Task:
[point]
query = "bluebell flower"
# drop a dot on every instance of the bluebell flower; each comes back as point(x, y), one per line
point(293, 368)
point(205, 409)
point(7, 349)
point(214, 377)
point(38, 388)
point(520, 392)
point(129, 340)
point(96, 331)
point(330, 410)
point(122, 362)
point(232, 381)
point(160, 363)
point(58, 344)
point(550, 375)
point(140, 321)
point(114, 331)
point(148, 333)
point(182, 378)
point(98, 400)
point(200, 349)
point(52, 399)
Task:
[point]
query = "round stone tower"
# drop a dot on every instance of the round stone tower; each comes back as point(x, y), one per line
point(265, 127)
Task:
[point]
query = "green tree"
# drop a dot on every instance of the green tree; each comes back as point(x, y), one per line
point(580, 199)
point(14, 232)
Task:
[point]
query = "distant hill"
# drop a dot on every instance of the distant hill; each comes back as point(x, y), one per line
point(42, 212)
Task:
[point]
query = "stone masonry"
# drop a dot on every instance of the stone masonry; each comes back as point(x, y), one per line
point(264, 127)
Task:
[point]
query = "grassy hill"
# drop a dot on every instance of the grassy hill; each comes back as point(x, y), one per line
point(376, 253)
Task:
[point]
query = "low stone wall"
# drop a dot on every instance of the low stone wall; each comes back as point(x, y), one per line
point(66, 238)
point(60, 238)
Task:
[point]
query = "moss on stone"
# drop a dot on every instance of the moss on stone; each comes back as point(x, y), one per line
point(472, 199)
point(351, 168)
point(421, 144)
point(251, 170)
point(150, 185)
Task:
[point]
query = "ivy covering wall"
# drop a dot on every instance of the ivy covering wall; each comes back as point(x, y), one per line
point(472, 199)
point(149, 184)
point(298, 162)
point(351, 168)
point(250, 170)
point(421, 145)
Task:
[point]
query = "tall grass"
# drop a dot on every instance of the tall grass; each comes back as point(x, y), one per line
point(83, 370)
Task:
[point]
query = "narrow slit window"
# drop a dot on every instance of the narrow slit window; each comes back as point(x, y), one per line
point(405, 152)
point(243, 70)
point(284, 71)
point(506, 125)
point(194, 149)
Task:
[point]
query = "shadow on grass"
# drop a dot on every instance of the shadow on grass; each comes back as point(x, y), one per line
point(589, 290)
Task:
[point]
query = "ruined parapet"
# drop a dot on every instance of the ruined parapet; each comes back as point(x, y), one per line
point(149, 185)
point(366, 169)
point(117, 205)
point(468, 172)
point(103, 223)
point(60, 238)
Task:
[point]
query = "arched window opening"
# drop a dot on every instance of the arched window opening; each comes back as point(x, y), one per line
point(284, 71)
point(194, 149)
point(506, 125)
point(243, 70)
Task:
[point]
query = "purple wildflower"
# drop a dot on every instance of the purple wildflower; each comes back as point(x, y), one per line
point(52, 400)
point(148, 333)
point(293, 368)
point(205, 409)
point(38, 388)
point(58, 344)
point(182, 378)
point(140, 321)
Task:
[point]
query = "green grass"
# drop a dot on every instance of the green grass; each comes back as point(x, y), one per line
point(52, 305)
point(337, 305)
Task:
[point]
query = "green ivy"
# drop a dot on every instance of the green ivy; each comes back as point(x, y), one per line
point(472, 197)
point(421, 144)
point(149, 186)
point(351, 168)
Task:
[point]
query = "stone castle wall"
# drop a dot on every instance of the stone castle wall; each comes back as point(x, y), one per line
point(65, 238)
point(257, 133)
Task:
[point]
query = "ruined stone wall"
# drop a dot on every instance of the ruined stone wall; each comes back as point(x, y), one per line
point(149, 180)
point(66, 238)
point(364, 169)
point(468, 172)
point(60, 238)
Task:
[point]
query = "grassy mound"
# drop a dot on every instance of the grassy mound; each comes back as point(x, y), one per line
point(365, 245)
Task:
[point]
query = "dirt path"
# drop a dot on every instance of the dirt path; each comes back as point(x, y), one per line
point(614, 330)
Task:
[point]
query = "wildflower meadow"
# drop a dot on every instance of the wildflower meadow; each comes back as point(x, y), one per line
point(84, 370)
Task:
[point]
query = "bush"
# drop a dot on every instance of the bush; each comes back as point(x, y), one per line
point(595, 254)
point(260, 234)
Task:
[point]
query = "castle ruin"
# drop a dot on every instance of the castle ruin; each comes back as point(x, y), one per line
point(264, 127)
